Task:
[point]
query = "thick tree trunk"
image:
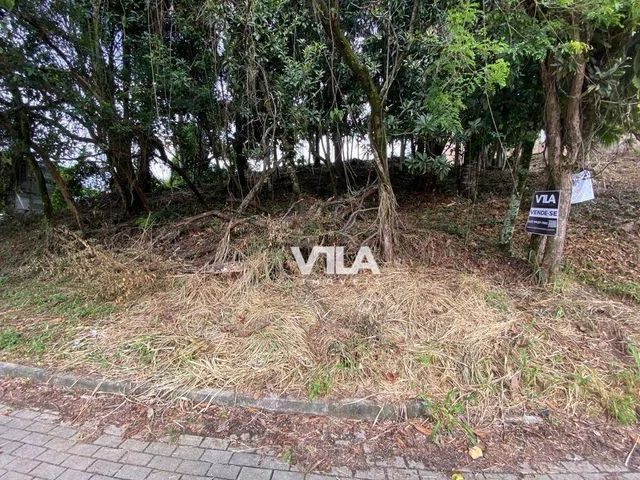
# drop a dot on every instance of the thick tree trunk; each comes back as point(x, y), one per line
point(47, 207)
point(387, 215)
point(240, 150)
point(522, 172)
point(563, 131)
point(288, 145)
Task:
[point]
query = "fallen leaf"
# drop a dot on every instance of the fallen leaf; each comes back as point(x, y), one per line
point(422, 429)
point(475, 452)
point(457, 476)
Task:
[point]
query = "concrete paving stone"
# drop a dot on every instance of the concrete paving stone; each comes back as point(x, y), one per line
point(193, 477)
point(37, 438)
point(113, 430)
point(48, 417)
point(631, 476)
point(85, 449)
point(610, 467)
point(63, 431)
point(22, 465)
point(108, 453)
point(77, 462)
point(371, 474)
point(415, 464)
point(15, 476)
point(500, 476)
point(402, 474)
point(159, 462)
point(191, 440)
point(214, 443)
point(60, 444)
point(316, 476)
point(536, 476)
point(29, 451)
point(111, 441)
point(160, 448)
point(74, 475)
point(246, 459)
point(9, 446)
point(11, 433)
point(431, 475)
point(4, 419)
point(339, 472)
point(227, 472)
point(104, 467)
point(53, 456)
point(134, 445)
point(5, 459)
point(188, 452)
point(101, 477)
point(282, 475)
point(136, 458)
point(277, 464)
point(216, 456)
point(565, 476)
point(47, 471)
point(133, 472)
point(193, 467)
point(160, 475)
point(595, 476)
point(392, 462)
point(250, 473)
point(21, 423)
point(41, 427)
point(25, 413)
point(579, 467)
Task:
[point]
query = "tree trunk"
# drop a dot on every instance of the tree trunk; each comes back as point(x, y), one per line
point(387, 214)
point(470, 168)
point(62, 186)
point(522, 172)
point(42, 187)
point(288, 145)
point(563, 130)
point(240, 150)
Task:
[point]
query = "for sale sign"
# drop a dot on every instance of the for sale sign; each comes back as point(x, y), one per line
point(543, 216)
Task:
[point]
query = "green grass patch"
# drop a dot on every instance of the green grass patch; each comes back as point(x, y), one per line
point(319, 387)
point(9, 338)
point(622, 408)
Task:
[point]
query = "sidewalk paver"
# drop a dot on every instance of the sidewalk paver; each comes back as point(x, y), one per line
point(35, 445)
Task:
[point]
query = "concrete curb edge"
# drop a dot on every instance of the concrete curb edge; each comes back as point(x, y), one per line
point(356, 408)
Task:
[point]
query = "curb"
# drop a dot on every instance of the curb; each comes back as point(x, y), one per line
point(359, 409)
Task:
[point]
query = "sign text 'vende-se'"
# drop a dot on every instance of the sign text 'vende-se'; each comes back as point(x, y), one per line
point(543, 216)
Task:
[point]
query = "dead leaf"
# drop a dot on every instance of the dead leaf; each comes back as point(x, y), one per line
point(475, 452)
point(422, 429)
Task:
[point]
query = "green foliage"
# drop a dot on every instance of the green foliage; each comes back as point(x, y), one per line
point(422, 164)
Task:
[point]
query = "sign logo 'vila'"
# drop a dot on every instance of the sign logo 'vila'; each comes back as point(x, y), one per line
point(335, 261)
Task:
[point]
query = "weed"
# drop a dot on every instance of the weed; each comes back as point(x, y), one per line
point(425, 359)
point(9, 338)
point(446, 415)
point(142, 348)
point(622, 408)
point(319, 387)
point(287, 456)
point(497, 300)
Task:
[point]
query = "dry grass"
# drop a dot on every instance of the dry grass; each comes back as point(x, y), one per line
point(415, 330)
